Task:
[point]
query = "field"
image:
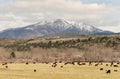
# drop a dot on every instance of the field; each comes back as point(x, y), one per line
point(46, 71)
point(80, 48)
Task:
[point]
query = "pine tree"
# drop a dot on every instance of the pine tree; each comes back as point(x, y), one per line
point(12, 55)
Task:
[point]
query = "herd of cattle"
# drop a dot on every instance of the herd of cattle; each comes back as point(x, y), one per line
point(55, 64)
point(90, 64)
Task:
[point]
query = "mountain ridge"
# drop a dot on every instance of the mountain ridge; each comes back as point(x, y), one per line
point(55, 27)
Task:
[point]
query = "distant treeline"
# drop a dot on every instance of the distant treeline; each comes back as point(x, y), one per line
point(79, 43)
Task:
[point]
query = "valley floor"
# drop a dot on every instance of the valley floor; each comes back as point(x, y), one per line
point(46, 71)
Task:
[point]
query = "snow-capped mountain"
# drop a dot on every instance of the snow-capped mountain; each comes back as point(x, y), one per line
point(56, 27)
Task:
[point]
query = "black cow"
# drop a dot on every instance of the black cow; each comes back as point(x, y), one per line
point(108, 71)
point(101, 69)
point(35, 70)
point(115, 65)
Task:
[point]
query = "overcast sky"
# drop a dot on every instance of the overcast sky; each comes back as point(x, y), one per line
point(104, 14)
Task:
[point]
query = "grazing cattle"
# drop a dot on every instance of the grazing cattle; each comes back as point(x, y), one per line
point(107, 65)
point(35, 70)
point(96, 64)
point(115, 70)
point(111, 64)
point(54, 64)
point(73, 63)
point(118, 63)
point(79, 63)
point(90, 63)
point(67, 63)
point(60, 61)
point(26, 63)
point(46, 62)
point(34, 62)
point(115, 65)
point(83, 63)
point(3, 64)
point(6, 66)
point(61, 66)
point(108, 71)
point(42, 62)
point(11, 62)
point(101, 69)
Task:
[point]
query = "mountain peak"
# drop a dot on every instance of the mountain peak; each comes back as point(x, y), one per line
point(57, 26)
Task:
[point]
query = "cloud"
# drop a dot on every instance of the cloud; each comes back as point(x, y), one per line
point(49, 8)
point(32, 11)
point(53, 6)
point(111, 28)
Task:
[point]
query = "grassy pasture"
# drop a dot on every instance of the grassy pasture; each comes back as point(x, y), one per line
point(45, 71)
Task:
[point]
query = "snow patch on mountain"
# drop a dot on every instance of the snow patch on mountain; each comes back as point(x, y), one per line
point(56, 27)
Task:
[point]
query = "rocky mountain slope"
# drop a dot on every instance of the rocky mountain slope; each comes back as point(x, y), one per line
point(55, 28)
